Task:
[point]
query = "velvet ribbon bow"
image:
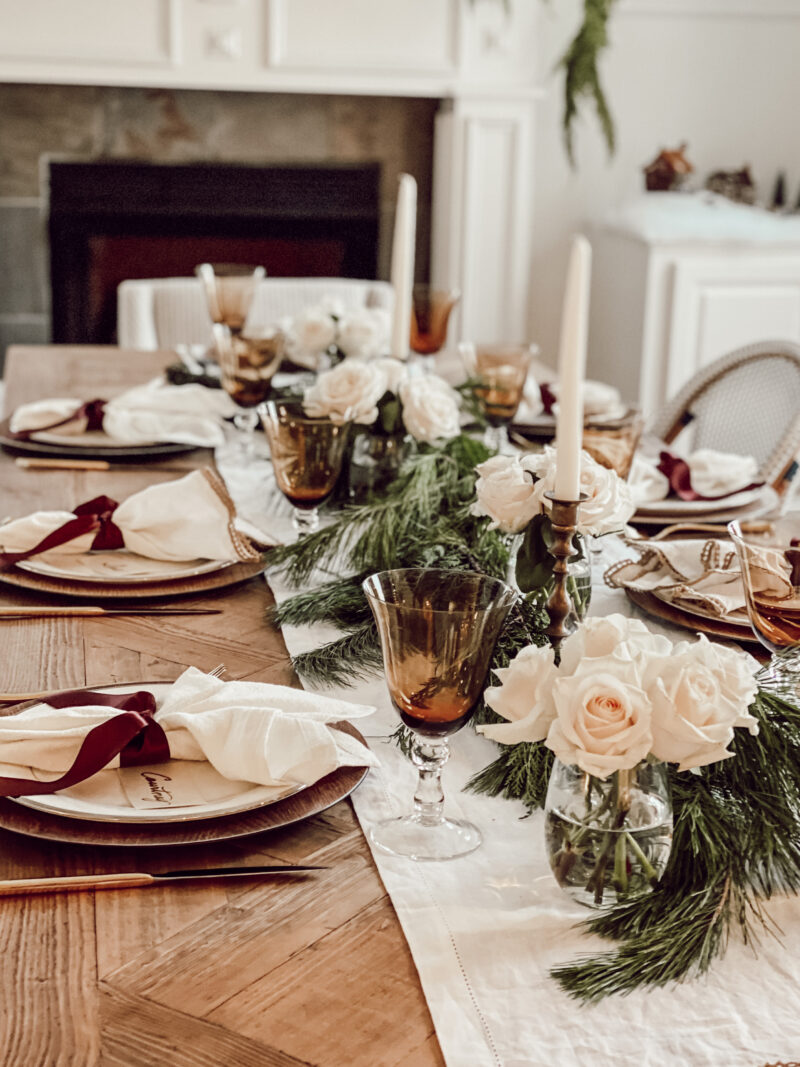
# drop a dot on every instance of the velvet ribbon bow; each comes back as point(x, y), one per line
point(679, 476)
point(91, 410)
point(133, 735)
point(94, 515)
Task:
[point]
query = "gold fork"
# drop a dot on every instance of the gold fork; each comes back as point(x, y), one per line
point(17, 698)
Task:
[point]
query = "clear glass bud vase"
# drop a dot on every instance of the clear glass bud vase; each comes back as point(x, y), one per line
point(531, 569)
point(608, 838)
point(375, 462)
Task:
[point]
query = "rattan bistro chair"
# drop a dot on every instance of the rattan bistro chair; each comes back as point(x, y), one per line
point(746, 402)
point(164, 312)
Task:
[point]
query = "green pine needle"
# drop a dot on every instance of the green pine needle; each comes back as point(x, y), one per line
point(342, 662)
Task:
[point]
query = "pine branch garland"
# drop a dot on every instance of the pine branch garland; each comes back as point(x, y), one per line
point(342, 662)
point(736, 823)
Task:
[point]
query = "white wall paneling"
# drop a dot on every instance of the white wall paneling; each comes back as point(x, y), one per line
point(481, 213)
point(721, 8)
point(411, 37)
point(106, 32)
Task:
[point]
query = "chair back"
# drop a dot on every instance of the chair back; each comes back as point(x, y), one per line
point(747, 402)
point(163, 312)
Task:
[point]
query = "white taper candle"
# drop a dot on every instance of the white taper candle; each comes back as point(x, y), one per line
point(405, 232)
point(572, 370)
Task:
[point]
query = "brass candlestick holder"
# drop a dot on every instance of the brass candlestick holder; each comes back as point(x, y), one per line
point(564, 520)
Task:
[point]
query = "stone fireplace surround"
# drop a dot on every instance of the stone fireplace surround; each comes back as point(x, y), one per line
point(44, 123)
point(445, 89)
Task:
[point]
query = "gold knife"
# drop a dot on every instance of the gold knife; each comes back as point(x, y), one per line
point(123, 880)
point(91, 611)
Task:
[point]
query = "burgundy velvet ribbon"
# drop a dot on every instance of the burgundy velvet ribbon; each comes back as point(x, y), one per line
point(679, 477)
point(92, 411)
point(94, 515)
point(548, 398)
point(133, 735)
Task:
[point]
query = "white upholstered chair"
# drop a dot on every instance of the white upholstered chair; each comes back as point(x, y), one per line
point(163, 312)
point(746, 402)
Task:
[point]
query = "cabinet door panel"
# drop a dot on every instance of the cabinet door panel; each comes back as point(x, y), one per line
point(720, 304)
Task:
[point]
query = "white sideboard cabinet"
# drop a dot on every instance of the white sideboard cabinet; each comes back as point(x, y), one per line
point(679, 280)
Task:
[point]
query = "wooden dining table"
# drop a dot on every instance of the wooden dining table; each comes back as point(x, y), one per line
point(278, 972)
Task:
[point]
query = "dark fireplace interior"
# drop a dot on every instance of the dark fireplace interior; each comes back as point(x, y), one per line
point(115, 220)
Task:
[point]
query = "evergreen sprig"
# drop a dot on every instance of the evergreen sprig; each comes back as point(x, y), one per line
point(581, 73)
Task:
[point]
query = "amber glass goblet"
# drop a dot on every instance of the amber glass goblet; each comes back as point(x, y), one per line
point(499, 373)
point(247, 366)
point(229, 289)
point(613, 442)
point(438, 630)
point(307, 456)
point(769, 557)
point(430, 315)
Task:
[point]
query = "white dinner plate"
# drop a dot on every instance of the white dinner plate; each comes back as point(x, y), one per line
point(119, 566)
point(225, 797)
point(681, 508)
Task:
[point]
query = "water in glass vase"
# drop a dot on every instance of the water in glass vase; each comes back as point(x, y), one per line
point(608, 838)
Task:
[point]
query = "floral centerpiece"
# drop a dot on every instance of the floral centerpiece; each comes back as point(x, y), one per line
point(621, 703)
point(325, 334)
point(387, 404)
point(511, 491)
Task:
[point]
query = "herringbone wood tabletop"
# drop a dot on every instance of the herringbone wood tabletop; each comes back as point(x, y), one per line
point(315, 971)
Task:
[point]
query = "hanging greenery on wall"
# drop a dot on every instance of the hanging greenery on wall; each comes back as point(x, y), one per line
point(581, 75)
point(580, 68)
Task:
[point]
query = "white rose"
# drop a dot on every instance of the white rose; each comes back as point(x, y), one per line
point(524, 697)
point(609, 504)
point(331, 305)
point(700, 693)
point(395, 371)
point(364, 334)
point(311, 334)
point(612, 635)
point(505, 493)
point(348, 392)
point(603, 717)
point(430, 409)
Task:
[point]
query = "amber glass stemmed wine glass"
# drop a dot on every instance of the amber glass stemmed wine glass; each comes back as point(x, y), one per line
point(430, 315)
point(499, 373)
point(229, 290)
point(438, 630)
point(769, 557)
point(307, 455)
point(247, 366)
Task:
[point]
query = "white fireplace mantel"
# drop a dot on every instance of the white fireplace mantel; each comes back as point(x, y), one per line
point(476, 56)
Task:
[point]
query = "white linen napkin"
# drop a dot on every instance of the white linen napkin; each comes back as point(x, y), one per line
point(599, 400)
point(183, 414)
point(712, 473)
point(249, 732)
point(691, 574)
point(191, 518)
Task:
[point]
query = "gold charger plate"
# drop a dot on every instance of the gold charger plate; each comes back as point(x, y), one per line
point(651, 605)
point(200, 583)
point(273, 815)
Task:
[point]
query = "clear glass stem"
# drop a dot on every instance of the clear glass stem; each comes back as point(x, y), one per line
point(429, 756)
point(245, 422)
point(496, 439)
point(305, 520)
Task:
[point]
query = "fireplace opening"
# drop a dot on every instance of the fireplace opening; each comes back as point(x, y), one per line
point(115, 220)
